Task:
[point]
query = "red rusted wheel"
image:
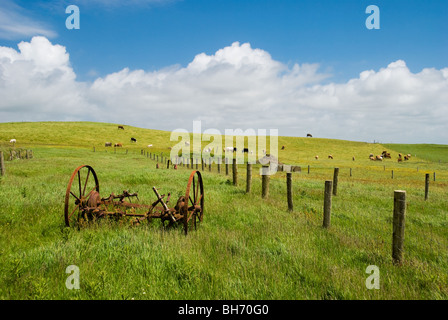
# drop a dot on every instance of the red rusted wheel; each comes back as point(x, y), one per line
point(193, 209)
point(83, 183)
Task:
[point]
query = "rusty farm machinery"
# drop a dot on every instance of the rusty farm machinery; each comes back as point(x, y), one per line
point(83, 202)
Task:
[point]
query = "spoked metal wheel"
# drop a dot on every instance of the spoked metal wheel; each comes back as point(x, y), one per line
point(193, 210)
point(82, 185)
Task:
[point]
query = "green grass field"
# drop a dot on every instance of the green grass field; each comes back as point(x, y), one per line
point(246, 248)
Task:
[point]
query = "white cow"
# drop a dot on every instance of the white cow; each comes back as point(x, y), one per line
point(149, 145)
point(208, 150)
point(187, 143)
point(13, 141)
point(228, 149)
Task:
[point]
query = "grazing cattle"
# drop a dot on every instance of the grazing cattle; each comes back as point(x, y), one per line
point(208, 150)
point(353, 158)
point(133, 140)
point(228, 149)
point(371, 155)
point(12, 141)
point(108, 144)
point(386, 155)
point(157, 165)
point(309, 135)
point(235, 149)
point(316, 157)
point(330, 156)
point(372, 158)
point(246, 150)
point(409, 155)
point(379, 158)
point(400, 159)
point(118, 145)
point(149, 145)
point(406, 157)
point(175, 167)
point(120, 127)
point(283, 147)
point(187, 143)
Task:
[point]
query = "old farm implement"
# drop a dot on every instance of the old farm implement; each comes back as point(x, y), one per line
point(84, 203)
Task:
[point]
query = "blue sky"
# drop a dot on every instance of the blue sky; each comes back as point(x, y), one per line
point(154, 35)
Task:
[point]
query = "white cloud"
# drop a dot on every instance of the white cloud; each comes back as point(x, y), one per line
point(38, 83)
point(15, 23)
point(237, 87)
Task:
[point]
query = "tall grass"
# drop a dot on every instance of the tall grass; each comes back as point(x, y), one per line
point(246, 247)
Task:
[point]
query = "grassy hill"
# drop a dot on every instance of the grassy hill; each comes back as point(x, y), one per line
point(246, 248)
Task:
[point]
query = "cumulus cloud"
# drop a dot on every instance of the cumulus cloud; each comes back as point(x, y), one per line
point(236, 87)
point(38, 83)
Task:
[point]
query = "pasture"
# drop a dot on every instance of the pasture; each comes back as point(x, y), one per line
point(246, 248)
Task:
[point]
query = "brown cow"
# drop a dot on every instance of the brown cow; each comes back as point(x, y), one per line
point(283, 147)
point(120, 127)
point(353, 158)
point(316, 157)
point(118, 145)
point(330, 156)
point(386, 155)
point(372, 158)
point(379, 158)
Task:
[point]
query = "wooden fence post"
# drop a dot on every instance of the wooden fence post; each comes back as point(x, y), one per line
point(235, 173)
point(93, 149)
point(308, 169)
point(219, 165)
point(434, 176)
point(335, 181)
point(289, 190)
point(426, 186)
point(398, 225)
point(350, 172)
point(392, 174)
point(248, 177)
point(227, 166)
point(327, 203)
point(265, 182)
point(2, 164)
point(210, 164)
point(197, 165)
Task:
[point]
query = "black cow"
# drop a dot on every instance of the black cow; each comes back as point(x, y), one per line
point(133, 140)
point(234, 150)
point(309, 135)
point(246, 150)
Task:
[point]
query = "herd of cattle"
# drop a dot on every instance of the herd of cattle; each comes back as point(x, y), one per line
point(372, 157)
point(384, 155)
